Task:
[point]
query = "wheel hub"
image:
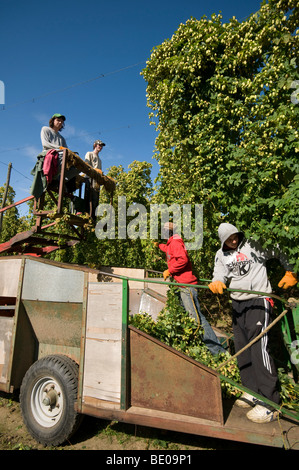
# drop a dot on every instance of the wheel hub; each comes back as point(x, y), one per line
point(47, 402)
point(51, 397)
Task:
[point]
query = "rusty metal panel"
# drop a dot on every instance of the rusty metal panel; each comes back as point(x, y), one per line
point(55, 323)
point(282, 434)
point(52, 283)
point(24, 349)
point(166, 380)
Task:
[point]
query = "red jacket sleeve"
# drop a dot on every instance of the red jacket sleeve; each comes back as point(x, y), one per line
point(163, 247)
point(178, 258)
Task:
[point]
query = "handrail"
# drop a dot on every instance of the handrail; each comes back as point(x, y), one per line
point(16, 204)
point(221, 376)
point(197, 286)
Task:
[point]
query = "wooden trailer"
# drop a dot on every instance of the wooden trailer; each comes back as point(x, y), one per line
point(65, 342)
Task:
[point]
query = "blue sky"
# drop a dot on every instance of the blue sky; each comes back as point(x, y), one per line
point(83, 59)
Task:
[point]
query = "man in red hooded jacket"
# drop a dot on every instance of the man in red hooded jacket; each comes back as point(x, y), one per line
point(180, 268)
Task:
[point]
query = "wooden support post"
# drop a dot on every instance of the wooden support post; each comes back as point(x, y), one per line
point(61, 182)
point(5, 193)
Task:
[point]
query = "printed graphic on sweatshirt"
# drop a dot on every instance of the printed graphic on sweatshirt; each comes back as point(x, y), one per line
point(240, 264)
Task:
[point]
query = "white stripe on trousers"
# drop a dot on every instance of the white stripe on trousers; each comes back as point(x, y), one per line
point(264, 340)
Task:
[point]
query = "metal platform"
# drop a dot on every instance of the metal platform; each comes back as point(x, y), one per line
point(40, 240)
point(169, 390)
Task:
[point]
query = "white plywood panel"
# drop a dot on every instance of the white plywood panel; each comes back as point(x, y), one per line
point(102, 362)
point(52, 283)
point(159, 288)
point(134, 273)
point(102, 378)
point(6, 327)
point(9, 277)
point(104, 308)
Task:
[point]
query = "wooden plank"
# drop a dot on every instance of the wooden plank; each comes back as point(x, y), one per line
point(9, 277)
point(134, 273)
point(102, 362)
point(6, 329)
point(161, 289)
point(74, 159)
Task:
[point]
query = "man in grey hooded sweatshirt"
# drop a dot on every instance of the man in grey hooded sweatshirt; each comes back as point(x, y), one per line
point(243, 262)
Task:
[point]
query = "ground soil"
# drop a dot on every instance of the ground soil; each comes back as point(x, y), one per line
point(96, 434)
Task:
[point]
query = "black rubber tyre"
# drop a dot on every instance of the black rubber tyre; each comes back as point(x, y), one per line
point(47, 397)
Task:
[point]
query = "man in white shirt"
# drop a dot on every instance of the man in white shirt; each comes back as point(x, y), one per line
point(243, 262)
point(93, 159)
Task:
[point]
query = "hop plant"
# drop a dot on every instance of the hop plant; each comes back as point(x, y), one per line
point(176, 328)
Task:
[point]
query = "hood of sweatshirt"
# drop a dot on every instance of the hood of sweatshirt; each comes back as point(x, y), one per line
point(175, 237)
point(225, 230)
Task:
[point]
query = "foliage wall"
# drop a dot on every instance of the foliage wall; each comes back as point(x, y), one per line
point(222, 100)
point(11, 222)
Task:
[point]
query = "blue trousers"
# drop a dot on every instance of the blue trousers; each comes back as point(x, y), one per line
point(189, 300)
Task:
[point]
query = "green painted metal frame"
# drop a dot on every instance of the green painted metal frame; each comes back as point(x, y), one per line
point(124, 396)
point(290, 333)
point(125, 355)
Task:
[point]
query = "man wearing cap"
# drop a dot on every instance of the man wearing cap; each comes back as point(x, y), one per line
point(180, 268)
point(50, 136)
point(93, 159)
point(53, 140)
point(243, 262)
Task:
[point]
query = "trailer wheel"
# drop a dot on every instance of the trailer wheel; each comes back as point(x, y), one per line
point(47, 397)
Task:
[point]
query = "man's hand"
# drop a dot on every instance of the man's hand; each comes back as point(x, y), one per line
point(217, 287)
point(288, 280)
point(166, 274)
